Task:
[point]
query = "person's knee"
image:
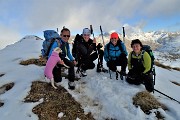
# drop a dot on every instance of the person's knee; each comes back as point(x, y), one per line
point(91, 66)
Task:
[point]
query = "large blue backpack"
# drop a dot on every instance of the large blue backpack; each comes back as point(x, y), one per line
point(50, 36)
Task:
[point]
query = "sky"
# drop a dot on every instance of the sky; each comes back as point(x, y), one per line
point(21, 18)
point(113, 98)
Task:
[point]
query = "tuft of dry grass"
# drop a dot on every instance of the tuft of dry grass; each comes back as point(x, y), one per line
point(176, 83)
point(165, 66)
point(5, 88)
point(147, 102)
point(40, 62)
point(55, 101)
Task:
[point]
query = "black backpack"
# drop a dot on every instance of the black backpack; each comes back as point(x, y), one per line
point(77, 40)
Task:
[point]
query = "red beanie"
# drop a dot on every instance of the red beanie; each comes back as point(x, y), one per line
point(114, 35)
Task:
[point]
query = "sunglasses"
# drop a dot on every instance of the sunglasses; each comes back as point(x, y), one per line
point(66, 35)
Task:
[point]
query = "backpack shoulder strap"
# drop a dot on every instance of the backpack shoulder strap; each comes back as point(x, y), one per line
point(52, 42)
point(142, 54)
point(120, 46)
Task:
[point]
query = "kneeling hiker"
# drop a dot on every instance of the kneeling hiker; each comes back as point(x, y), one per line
point(139, 65)
point(115, 54)
point(84, 50)
point(64, 45)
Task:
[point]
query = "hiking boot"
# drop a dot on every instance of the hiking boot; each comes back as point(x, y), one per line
point(71, 85)
point(83, 73)
point(101, 69)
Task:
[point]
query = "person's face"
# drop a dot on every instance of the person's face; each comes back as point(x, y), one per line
point(136, 48)
point(65, 36)
point(114, 41)
point(86, 37)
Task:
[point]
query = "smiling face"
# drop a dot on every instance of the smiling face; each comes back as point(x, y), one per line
point(136, 48)
point(114, 41)
point(65, 35)
point(86, 37)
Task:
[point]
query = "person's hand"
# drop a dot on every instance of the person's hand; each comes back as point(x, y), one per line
point(144, 75)
point(75, 63)
point(62, 62)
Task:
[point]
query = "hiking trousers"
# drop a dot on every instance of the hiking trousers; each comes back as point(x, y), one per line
point(71, 71)
point(121, 61)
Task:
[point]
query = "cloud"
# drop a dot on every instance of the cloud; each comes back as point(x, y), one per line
point(33, 16)
point(163, 8)
point(8, 36)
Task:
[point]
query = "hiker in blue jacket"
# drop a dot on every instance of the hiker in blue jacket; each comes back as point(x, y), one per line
point(64, 45)
point(115, 54)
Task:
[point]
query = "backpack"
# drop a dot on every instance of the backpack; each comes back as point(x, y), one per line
point(77, 39)
point(50, 36)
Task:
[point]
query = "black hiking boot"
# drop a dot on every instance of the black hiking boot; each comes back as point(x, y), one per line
point(71, 85)
point(101, 69)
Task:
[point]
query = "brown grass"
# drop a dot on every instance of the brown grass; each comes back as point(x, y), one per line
point(5, 88)
point(176, 83)
point(55, 101)
point(147, 102)
point(40, 62)
point(165, 66)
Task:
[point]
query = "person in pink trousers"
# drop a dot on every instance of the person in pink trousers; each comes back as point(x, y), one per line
point(51, 63)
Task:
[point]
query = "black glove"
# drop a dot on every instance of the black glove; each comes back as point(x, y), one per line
point(99, 46)
point(144, 75)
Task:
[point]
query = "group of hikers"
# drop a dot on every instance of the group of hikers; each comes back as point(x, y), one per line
point(86, 50)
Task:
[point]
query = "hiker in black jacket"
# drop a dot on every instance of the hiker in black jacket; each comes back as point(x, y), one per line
point(86, 52)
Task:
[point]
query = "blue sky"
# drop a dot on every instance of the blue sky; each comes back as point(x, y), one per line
point(26, 17)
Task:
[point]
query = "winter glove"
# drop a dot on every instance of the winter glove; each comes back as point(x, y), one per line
point(144, 75)
point(99, 46)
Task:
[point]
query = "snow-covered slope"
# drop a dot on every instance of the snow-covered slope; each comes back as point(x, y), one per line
point(97, 93)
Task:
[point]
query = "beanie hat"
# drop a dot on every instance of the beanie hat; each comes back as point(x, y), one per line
point(86, 31)
point(114, 35)
point(136, 41)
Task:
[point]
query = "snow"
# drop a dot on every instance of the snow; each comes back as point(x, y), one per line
point(97, 93)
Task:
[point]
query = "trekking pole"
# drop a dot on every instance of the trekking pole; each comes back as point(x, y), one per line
point(57, 30)
point(91, 28)
point(166, 95)
point(102, 35)
point(110, 74)
point(123, 35)
point(154, 72)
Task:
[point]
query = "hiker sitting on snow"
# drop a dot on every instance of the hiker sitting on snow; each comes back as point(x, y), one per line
point(115, 54)
point(139, 70)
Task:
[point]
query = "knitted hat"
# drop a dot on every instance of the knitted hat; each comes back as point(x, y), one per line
point(114, 35)
point(136, 41)
point(86, 31)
